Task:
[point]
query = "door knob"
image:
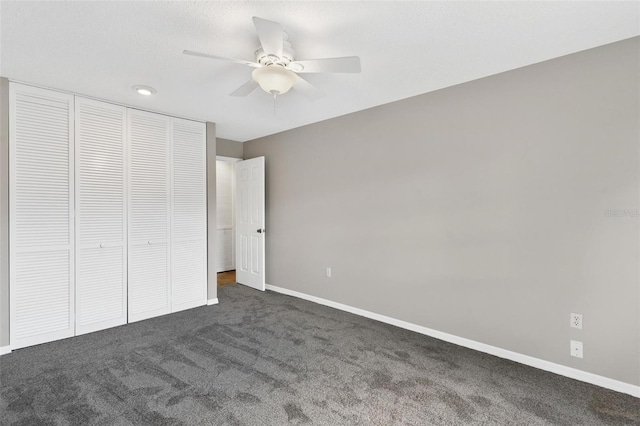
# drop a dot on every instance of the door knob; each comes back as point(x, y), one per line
point(260, 231)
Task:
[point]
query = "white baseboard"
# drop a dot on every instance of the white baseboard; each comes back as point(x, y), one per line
point(552, 367)
point(212, 301)
point(5, 350)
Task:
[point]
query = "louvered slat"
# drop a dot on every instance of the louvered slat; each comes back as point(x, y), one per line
point(189, 275)
point(148, 281)
point(41, 301)
point(101, 297)
point(189, 215)
point(41, 220)
point(149, 198)
point(101, 256)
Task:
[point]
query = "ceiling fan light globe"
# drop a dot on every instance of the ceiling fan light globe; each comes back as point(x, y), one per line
point(274, 78)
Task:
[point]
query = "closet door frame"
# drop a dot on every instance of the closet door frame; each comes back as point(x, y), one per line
point(16, 343)
point(125, 217)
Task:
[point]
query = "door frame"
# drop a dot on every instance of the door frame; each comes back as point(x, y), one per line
point(233, 204)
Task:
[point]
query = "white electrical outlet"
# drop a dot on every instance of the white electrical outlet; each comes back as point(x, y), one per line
point(576, 349)
point(328, 272)
point(576, 321)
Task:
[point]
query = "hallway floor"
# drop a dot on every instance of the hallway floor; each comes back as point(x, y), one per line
point(226, 278)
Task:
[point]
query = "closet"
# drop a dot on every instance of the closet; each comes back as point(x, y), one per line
point(107, 215)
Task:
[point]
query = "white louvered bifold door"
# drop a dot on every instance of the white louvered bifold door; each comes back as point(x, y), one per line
point(41, 216)
point(101, 251)
point(189, 216)
point(149, 286)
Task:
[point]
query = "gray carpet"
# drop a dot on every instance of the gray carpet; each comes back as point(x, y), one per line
point(268, 359)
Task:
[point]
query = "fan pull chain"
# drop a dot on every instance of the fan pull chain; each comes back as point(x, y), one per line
point(275, 95)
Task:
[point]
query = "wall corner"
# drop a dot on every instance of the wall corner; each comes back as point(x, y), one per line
point(212, 278)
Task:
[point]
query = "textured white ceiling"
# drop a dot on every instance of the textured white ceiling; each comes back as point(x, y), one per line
point(101, 49)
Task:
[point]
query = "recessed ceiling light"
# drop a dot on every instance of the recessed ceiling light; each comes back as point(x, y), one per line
point(144, 90)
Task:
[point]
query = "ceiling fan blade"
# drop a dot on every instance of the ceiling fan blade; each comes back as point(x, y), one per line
point(346, 64)
point(307, 89)
point(245, 89)
point(271, 36)
point(206, 55)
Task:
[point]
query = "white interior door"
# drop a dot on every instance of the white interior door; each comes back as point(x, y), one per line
point(189, 218)
point(149, 287)
point(101, 233)
point(249, 215)
point(41, 271)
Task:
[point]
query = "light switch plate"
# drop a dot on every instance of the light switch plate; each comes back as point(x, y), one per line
point(576, 349)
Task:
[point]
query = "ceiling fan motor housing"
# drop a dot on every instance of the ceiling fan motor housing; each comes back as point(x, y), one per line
point(288, 56)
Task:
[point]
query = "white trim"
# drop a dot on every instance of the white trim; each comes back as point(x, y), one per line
point(552, 367)
point(228, 159)
point(212, 302)
point(5, 350)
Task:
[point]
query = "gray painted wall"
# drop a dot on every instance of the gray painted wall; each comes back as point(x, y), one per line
point(4, 212)
point(478, 210)
point(212, 277)
point(229, 148)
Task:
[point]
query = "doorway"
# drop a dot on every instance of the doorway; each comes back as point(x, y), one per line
point(225, 210)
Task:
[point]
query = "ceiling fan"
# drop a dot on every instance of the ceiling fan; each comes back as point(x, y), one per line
point(276, 68)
